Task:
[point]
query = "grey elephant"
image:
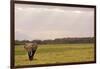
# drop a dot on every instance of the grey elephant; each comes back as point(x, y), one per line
point(31, 49)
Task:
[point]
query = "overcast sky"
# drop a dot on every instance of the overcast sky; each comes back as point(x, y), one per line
point(50, 22)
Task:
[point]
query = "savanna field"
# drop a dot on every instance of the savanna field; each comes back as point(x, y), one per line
point(55, 53)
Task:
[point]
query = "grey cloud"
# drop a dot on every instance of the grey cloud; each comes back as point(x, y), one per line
point(49, 22)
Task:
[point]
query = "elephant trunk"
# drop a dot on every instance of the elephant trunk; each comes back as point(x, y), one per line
point(30, 54)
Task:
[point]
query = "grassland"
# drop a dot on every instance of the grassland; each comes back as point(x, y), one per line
point(55, 53)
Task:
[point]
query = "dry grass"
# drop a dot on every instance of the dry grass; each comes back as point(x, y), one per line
point(56, 53)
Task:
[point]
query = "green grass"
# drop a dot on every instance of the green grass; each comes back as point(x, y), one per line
point(56, 53)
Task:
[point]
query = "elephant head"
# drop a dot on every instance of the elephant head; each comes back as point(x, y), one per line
point(31, 49)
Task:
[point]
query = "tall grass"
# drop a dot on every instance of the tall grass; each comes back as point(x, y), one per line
point(55, 53)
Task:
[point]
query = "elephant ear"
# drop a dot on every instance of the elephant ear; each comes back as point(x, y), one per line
point(25, 46)
point(28, 46)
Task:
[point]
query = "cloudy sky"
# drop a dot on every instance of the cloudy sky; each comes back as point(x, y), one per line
point(50, 22)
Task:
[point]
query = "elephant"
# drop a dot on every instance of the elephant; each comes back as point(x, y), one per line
point(31, 49)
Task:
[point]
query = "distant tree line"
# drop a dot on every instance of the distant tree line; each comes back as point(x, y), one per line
point(58, 41)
